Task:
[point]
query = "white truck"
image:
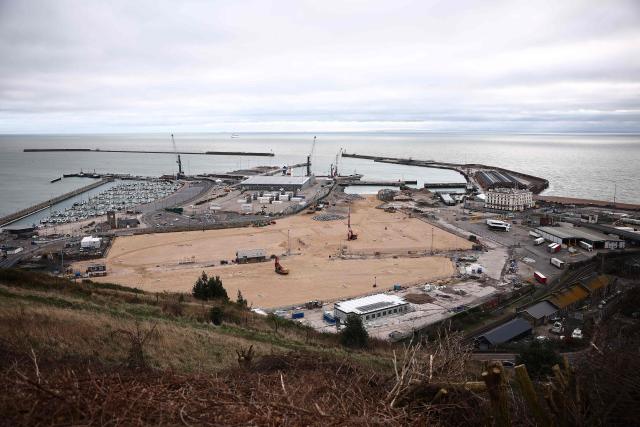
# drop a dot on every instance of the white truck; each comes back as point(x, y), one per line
point(557, 263)
point(538, 241)
point(586, 246)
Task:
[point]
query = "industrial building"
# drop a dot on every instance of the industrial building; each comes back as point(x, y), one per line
point(539, 313)
point(275, 183)
point(497, 179)
point(513, 329)
point(509, 199)
point(244, 256)
point(371, 307)
point(90, 242)
point(571, 236)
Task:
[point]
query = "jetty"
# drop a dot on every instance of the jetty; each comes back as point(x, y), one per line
point(377, 183)
point(98, 150)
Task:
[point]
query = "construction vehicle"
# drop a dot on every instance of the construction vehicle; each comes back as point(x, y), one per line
point(350, 234)
point(279, 268)
point(180, 174)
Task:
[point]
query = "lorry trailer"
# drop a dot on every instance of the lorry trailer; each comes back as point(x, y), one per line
point(534, 234)
point(557, 262)
point(538, 241)
point(586, 246)
point(554, 248)
point(541, 278)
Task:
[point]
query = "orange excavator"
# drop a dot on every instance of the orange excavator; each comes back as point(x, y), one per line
point(279, 268)
point(350, 234)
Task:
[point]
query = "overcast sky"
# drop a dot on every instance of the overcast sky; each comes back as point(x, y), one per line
point(127, 66)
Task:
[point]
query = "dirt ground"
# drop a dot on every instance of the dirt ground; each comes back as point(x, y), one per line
point(173, 261)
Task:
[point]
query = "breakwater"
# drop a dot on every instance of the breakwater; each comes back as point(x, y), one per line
point(536, 184)
point(44, 205)
point(98, 150)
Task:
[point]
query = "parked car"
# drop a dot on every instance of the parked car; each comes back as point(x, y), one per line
point(576, 334)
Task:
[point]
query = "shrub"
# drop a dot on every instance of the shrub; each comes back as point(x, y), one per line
point(216, 315)
point(354, 334)
point(539, 357)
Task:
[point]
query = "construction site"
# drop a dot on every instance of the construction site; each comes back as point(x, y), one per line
point(347, 249)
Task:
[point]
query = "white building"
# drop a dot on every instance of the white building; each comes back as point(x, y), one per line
point(90, 242)
point(371, 307)
point(509, 199)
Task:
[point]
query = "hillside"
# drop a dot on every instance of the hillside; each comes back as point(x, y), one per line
point(88, 353)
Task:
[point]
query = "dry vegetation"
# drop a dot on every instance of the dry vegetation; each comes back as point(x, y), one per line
point(100, 354)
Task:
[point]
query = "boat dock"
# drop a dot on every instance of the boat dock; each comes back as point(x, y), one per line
point(44, 205)
point(98, 150)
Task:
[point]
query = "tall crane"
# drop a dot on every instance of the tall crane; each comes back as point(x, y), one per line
point(334, 168)
point(313, 147)
point(179, 161)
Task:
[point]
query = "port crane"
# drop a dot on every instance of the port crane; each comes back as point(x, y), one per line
point(334, 167)
point(313, 147)
point(180, 174)
point(350, 234)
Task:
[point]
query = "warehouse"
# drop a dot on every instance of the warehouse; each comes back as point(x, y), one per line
point(512, 330)
point(371, 307)
point(571, 236)
point(275, 183)
point(539, 313)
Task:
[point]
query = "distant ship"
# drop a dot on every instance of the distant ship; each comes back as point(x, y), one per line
point(235, 135)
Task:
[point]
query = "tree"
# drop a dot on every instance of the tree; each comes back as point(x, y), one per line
point(539, 357)
point(199, 290)
point(207, 288)
point(240, 300)
point(354, 333)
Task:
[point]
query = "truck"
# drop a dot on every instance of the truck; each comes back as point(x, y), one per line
point(557, 263)
point(541, 278)
point(534, 234)
point(554, 248)
point(498, 225)
point(538, 241)
point(586, 246)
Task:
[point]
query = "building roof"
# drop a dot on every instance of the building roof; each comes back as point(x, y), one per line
point(577, 233)
point(540, 310)
point(370, 303)
point(90, 239)
point(275, 180)
point(566, 297)
point(251, 253)
point(507, 331)
point(596, 283)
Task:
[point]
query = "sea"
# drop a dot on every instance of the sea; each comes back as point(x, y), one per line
point(592, 166)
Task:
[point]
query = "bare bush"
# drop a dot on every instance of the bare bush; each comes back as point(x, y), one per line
point(138, 338)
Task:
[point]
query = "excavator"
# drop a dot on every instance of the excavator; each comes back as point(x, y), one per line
point(350, 234)
point(279, 268)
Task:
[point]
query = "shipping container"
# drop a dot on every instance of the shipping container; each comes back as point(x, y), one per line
point(541, 278)
point(557, 262)
point(538, 241)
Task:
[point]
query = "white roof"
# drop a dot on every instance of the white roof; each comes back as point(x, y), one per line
point(371, 303)
point(90, 239)
point(275, 180)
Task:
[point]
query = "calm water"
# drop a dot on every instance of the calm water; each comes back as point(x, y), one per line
point(587, 166)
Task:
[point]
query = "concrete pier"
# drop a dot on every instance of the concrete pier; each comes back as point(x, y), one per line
point(97, 150)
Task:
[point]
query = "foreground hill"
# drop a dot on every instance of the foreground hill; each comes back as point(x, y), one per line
point(87, 353)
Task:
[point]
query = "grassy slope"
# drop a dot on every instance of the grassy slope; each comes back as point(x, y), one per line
point(69, 320)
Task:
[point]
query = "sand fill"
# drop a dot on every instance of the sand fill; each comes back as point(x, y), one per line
point(173, 261)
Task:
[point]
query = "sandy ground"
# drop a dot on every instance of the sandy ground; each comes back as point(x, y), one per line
point(155, 262)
